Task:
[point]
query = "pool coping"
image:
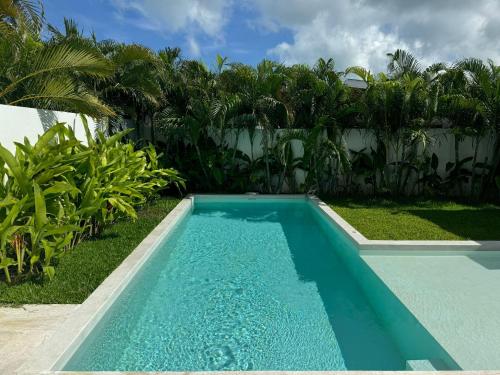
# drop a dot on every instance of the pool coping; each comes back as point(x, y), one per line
point(390, 247)
point(273, 372)
point(61, 346)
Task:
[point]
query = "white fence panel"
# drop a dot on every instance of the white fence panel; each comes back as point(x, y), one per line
point(19, 122)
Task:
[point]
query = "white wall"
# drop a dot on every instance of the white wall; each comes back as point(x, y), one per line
point(19, 122)
point(442, 144)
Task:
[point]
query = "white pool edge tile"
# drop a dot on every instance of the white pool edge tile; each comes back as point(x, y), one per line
point(384, 247)
point(272, 372)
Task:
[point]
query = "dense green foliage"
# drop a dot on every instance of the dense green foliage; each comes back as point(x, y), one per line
point(45, 74)
point(59, 191)
point(417, 219)
point(313, 106)
point(196, 115)
point(82, 269)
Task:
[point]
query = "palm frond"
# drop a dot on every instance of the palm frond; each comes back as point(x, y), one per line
point(403, 62)
point(361, 72)
point(54, 59)
point(63, 93)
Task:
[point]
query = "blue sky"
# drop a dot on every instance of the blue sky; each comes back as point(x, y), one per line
point(353, 32)
point(239, 39)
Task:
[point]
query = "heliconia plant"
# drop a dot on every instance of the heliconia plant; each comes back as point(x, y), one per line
point(58, 191)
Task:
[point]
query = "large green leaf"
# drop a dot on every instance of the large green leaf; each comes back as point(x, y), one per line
point(16, 169)
point(40, 207)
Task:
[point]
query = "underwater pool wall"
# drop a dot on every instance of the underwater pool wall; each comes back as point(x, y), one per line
point(412, 338)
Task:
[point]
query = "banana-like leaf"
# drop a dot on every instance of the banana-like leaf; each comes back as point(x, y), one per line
point(12, 215)
point(62, 230)
point(123, 206)
point(15, 168)
point(61, 187)
point(40, 207)
point(48, 137)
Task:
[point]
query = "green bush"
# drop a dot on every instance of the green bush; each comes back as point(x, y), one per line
point(59, 191)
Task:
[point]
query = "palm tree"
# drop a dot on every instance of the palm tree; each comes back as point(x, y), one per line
point(20, 16)
point(263, 95)
point(186, 113)
point(398, 111)
point(402, 63)
point(133, 90)
point(482, 89)
point(41, 74)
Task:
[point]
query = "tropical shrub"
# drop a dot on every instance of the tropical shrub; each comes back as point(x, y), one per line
point(197, 115)
point(59, 191)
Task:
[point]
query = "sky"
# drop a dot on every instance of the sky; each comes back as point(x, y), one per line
point(352, 32)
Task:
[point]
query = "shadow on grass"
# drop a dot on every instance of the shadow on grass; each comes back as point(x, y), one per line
point(105, 236)
point(469, 224)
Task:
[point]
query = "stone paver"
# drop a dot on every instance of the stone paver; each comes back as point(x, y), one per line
point(24, 328)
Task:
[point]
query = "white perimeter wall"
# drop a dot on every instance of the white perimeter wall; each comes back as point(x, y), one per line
point(19, 122)
point(443, 145)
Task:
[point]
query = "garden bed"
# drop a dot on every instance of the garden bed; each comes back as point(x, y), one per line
point(382, 219)
point(85, 267)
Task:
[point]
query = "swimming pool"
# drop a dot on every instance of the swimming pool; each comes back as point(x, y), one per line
point(255, 284)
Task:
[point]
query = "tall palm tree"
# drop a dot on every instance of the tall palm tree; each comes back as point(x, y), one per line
point(21, 16)
point(483, 89)
point(263, 95)
point(133, 90)
point(402, 62)
point(398, 111)
point(41, 74)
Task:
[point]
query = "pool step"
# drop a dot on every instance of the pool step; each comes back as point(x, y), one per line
point(426, 365)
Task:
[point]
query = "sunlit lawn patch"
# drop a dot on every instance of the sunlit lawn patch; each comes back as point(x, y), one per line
point(85, 267)
point(382, 219)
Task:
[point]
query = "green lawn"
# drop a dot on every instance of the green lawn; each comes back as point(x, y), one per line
point(380, 219)
point(85, 267)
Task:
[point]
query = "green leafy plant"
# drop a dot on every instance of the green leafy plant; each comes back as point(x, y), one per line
point(59, 191)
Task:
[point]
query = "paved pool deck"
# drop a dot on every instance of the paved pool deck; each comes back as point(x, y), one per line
point(23, 329)
point(455, 297)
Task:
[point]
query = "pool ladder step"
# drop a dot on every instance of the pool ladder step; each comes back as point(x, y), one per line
point(426, 365)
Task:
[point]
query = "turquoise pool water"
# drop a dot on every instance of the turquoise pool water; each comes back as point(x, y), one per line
point(253, 285)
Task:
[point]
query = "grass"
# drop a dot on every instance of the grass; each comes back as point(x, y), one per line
point(84, 268)
point(382, 219)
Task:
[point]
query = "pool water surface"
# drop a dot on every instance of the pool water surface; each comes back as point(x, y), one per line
point(245, 285)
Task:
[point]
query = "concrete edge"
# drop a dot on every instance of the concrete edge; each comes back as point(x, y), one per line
point(373, 247)
point(59, 348)
point(249, 196)
point(355, 372)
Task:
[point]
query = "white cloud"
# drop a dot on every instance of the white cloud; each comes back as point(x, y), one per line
point(194, 47)
point(353, 32)
point(361, 32)
point(206, 16)
point(320, 39)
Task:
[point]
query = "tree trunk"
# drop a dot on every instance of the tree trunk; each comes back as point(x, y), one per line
point(266, 160)
point(473, 171)
point(457, 162)
point(200, 159)
point(494, 164)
